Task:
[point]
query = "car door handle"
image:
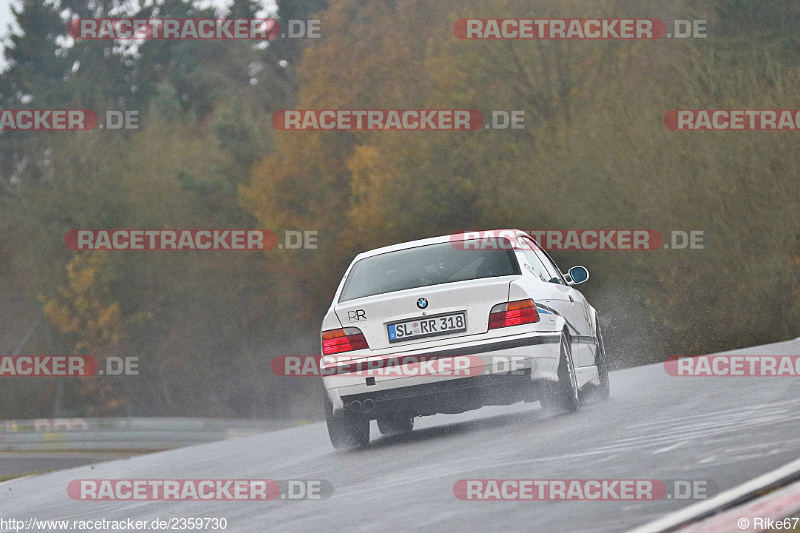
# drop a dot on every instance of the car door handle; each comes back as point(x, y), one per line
point(570, 299)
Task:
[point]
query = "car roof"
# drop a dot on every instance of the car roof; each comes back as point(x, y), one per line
point(452, 237)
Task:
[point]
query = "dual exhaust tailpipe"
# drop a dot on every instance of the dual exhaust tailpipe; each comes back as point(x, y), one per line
point(361, 407)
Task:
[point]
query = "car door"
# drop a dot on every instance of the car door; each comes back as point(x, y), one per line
point(569, 302)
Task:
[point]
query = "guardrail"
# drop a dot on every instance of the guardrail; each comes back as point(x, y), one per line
point(146, 434)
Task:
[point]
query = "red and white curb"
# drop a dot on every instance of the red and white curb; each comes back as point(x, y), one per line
point(753, 516)
point(737, 507)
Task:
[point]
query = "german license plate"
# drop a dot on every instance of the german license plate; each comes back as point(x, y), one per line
point(427, 327)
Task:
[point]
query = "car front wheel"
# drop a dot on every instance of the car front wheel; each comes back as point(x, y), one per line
point(601, 361)
point(562, 396)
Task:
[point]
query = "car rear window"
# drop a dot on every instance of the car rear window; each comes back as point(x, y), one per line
point(424, 266)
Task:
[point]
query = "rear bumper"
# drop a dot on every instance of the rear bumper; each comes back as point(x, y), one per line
point(498, 371)
point(451, 396)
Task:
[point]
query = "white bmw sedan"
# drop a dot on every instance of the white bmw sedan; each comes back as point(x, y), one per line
point(454, 323)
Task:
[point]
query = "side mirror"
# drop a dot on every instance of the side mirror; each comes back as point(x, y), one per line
point(577, 274)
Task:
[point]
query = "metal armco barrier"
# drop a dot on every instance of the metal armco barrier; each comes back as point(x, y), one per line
point(144, 434)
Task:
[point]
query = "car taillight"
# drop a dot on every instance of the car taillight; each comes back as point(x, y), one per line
point(342, 340)
point(513, 314)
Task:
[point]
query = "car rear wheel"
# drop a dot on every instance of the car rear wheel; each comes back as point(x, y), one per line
point(562, 396)
point(395, 425)
point(603, 390)
point(346, 433)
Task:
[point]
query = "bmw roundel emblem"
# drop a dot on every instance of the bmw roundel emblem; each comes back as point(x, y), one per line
point(422, 303)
